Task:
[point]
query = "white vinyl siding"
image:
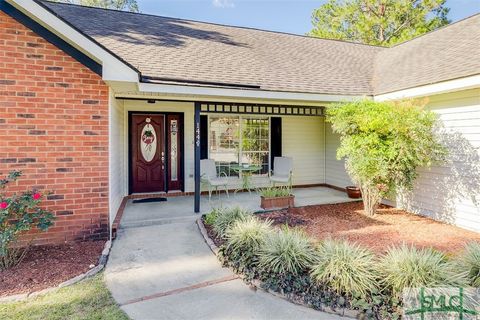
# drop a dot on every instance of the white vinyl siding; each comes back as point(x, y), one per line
point(335, 173)
point(117, 151)
point(451, 192)
point(303, 140)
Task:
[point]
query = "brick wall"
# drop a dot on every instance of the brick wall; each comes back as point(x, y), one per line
point(54, 127)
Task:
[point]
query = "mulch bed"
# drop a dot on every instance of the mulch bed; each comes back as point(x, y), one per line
point(211, 234)
point(389, 227)
point(48, 266)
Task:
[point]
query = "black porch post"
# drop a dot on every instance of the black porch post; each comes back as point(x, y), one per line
point(197, 156)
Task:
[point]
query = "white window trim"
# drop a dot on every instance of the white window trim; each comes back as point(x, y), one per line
point(240, 117)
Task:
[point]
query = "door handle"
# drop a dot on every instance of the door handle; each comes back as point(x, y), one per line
point(162, 158)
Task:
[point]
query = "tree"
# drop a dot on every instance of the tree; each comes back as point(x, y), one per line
point(130, 5)
point(378, 22)
point(383, 144)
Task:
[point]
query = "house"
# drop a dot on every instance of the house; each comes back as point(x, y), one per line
point(99, 105)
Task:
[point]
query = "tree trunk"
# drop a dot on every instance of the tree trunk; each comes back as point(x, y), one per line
point(371, 200)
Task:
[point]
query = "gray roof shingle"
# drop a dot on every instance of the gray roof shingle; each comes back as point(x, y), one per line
point(176, 50)
point(444, 54)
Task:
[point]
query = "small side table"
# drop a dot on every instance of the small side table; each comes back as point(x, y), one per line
point(246, 173)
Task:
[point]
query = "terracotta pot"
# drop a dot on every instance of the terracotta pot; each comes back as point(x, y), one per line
point(277, 203)
point(353, 192)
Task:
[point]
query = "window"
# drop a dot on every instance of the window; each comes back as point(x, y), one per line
point(235, 140)
point(255, 142)
point(224, 142)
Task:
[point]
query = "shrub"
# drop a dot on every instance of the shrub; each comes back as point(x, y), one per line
point(244, 239)
point(288, 251)
point(469, 262)
point(383, 144)
point(18, 213)
point(408, 267)
point(346, 268)
point(212, 216)
point(226, 217)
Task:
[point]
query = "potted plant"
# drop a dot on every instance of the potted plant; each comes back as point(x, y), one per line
point(353, 192)
point(276, 198)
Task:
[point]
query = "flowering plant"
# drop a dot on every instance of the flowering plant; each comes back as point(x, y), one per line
point(19, 212)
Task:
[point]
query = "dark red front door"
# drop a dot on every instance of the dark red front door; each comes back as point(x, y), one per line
point(148, 153)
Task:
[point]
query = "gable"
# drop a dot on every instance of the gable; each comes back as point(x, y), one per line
point(50, 37)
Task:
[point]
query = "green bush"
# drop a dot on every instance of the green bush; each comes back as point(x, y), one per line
point(226, 217)
point(288, 251)
point(469, 262)
point(19, 213)
point(212, 216)
point(243, 241)
point(345, 267)
point(384, 143)
point(408, 267)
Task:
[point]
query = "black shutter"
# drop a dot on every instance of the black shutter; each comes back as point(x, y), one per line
point(275, 139)
point(203, 137)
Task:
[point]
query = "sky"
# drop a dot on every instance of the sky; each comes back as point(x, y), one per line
point(292, 16)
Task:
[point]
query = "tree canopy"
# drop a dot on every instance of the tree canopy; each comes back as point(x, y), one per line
point(130, 5)
point(383, 144)
point(378, 22)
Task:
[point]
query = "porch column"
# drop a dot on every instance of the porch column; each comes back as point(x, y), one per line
point(197, 156)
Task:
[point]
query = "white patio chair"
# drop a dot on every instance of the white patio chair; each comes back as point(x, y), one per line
point(209, 177)
point(282, 171)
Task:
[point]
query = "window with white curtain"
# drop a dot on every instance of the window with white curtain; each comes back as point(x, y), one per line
point(235, 140)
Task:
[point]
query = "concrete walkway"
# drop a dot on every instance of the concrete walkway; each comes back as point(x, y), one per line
point(166, 271)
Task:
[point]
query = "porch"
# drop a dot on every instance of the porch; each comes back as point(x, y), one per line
point(181, 133)
point(180, 209)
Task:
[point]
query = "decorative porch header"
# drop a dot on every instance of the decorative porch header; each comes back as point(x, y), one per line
point(254, 108)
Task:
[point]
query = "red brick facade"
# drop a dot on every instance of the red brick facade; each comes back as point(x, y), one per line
point(54, 127)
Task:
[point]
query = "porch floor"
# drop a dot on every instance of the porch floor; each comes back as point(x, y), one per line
point(180, 209)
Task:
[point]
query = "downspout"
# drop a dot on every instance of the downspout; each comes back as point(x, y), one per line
point(324, 150)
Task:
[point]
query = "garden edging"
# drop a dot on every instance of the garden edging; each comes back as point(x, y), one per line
point(102, 261)
point(257, 284)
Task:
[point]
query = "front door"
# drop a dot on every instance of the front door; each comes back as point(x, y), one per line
point(148, 153)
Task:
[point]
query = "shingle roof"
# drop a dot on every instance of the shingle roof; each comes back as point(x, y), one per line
point(447, 53)
point(177, 50)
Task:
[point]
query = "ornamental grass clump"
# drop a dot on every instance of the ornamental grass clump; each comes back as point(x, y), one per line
point(287, 252)
point(406, 267)
point(345, 268)
point(275, 192)
point(212, 216)
point(227, 217)
point(469, 262)
point(244, 240)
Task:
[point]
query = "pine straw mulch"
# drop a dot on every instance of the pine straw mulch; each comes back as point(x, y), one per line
point(48, 266)
point(388, 227)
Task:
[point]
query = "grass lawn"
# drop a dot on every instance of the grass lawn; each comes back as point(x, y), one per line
point(89, 299)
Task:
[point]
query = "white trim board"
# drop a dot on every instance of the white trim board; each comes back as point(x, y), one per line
point(195, 92)
point(432, 89)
